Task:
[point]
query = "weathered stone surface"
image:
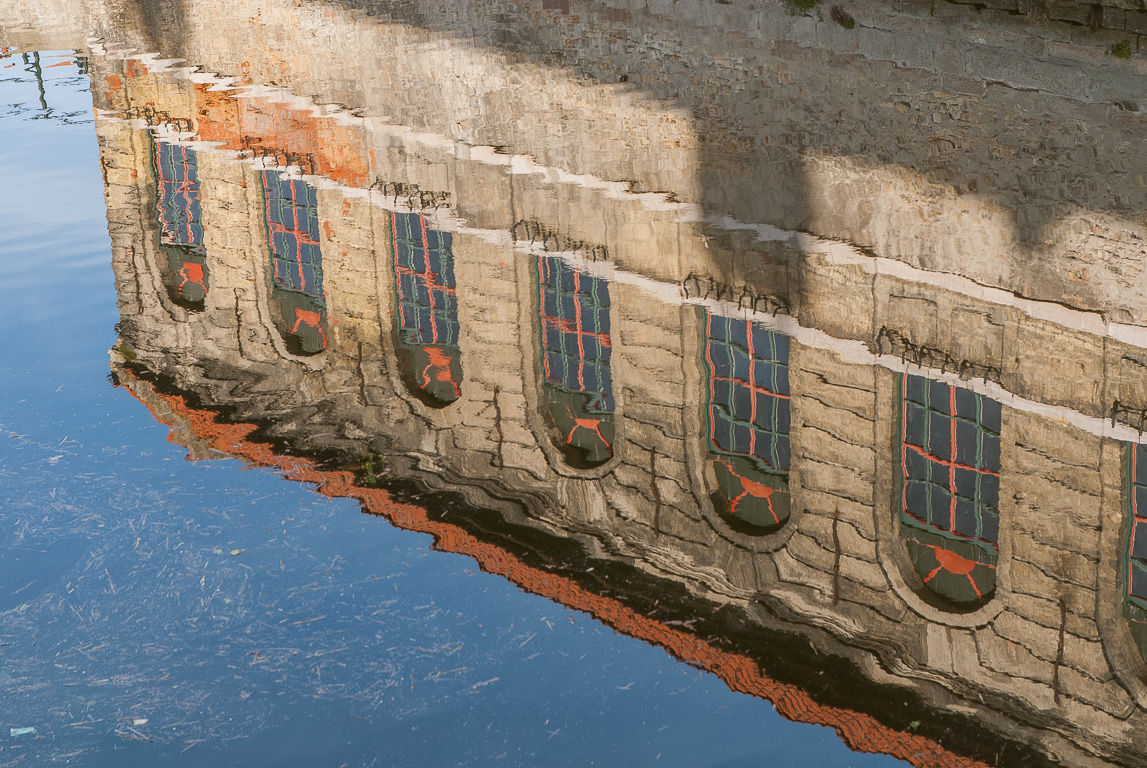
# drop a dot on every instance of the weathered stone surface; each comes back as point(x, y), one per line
point(922, 207)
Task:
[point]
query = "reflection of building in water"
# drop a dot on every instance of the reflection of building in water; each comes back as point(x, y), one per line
point(180, 228)
point(748, 421)
point(961, 539)
point(1135, 547)
point(950, 459)
point(911, 134)
point(428, 331)
point(577, 385)
point(296, 262)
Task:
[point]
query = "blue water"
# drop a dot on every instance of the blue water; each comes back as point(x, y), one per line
point(131, 635)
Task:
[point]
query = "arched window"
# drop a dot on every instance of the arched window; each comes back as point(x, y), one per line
point(950, 472)
point(577, 391)
point(748, 415)
point(428, 353)
point(292, 217)
point(1135, 548)
point(180, 229)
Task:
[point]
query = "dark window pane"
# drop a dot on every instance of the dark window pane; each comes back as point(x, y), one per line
point(915, 465)
point(915, 425)
point(783, 452)
point(990, 415)
point(965, 520)
point(990, 490)
point(1139, 540)
point(990, 453)
point(916, 389)
point(1139, 581)
point(939, 436)
point(1139, 459)
point(967, 482)
point(989, 524)
point(575, 323)
point(916, 499)
point(967, 443)
point(967, 403)
point(940, 397)
point(940, 509)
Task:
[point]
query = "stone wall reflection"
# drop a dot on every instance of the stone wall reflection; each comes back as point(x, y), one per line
point(973, 538)
point(1000, 150)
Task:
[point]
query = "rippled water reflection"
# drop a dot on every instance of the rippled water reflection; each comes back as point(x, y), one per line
point(192, 613)
point(544, 386)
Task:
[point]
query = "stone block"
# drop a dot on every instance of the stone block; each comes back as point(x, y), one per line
point(1011, 658)
point(654, 362)
point(837, 480)
point(645, 310)
point(1126, 5)
point(833, 37)
point(1068, 485)
point(866, 573)
point(831, 375)
point(793, 571)
point(967, 665)
point(667, 418)
point(811, 442)
point(1069, 568)
point(914, 50)
point(1045, 612)
point(816, 418)
point(632, 331)
point(1088, 657)
point(1039, 640)
point(856, 514)
point(949, 59)
point(646, 437)
point(1108, 697)
point(937, 647)
point(1020, 71)
point(810, 552)
point(1136, 21)
point(531, 460)
point(1115, 18)
point(1044, 525)
point(1069, 10)
point(852, 543)
point(877, 44)
point(837, 300)
point(1051, 441)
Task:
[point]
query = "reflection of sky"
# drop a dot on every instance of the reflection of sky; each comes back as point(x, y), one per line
point(331, 637)
point(65, 91)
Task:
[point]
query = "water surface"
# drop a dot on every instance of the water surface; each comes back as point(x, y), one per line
point(567, 384)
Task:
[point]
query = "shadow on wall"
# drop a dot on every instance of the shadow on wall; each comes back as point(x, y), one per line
point(885, 154)
point(814, 136)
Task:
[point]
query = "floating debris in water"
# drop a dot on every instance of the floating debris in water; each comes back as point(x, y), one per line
point(21, 731)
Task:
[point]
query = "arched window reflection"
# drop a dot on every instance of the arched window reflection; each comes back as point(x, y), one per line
point(950, 465)
point(748, 414)
point(1135, 549)
point(428, 328)
point(577, 390)
point(180, 229)
point(296, 262)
